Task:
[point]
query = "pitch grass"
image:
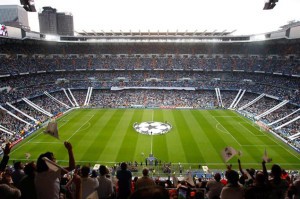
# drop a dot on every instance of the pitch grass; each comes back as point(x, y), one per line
point(106, 136)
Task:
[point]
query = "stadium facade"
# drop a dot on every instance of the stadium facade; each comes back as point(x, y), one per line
point(14, 15)
point(259, 67)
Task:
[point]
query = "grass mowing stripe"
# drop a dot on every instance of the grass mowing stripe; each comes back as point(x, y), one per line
point(278, 155)
point(175, 148)
point(112, 136)
point(251, 128)
point(87, 135)
point(235, 131)
point(198, 135)
point(130, 140)
point(274, 139)
point(217, 140)
point(80, 127)
point(113, 150)
point(189, 144)
point(160, 145)
point(100, 134)
point(142, 149)
point(103, 136)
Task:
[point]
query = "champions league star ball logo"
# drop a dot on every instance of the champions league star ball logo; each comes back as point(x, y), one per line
point(152, 128)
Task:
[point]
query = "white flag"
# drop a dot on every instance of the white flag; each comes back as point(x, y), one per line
point(189, 179)
point(266, 158)
point(52, 129)
point(53, 166)
point(228, 153)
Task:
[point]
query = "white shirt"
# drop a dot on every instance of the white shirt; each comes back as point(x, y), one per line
point(105, 188)
point(47, 184)
point(214, 188)
point(88, 185)
point(232, 192)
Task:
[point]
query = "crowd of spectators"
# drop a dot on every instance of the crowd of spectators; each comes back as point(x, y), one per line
point(37, 179)
point(283, 87)
point(28, 71)
point(21, 65)
point(281, 47)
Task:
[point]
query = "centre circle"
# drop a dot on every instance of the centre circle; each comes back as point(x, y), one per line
point(152, 128)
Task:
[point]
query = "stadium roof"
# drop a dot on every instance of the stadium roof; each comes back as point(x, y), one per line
point(195, 33)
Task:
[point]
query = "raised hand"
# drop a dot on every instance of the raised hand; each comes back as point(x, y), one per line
point(68, 145)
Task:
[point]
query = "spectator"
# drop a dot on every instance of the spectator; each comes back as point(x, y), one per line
point(8, 192)
point(26, 184)
point(278, 186)
point(88, 184)
point(259, 189)
point(154, 192)
point(144, 181)
point(294, 189)
point(5, 158)
point(18, 173)
point(105, 189)
point(232, 190)
point(214, 187)
point(47, 181)
point(124, 182)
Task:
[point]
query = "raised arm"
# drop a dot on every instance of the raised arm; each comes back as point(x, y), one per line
point(71, 156)
point(240, 167)
point(265, 170)
point(5, 158)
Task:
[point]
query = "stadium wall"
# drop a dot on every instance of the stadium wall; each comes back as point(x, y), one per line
point(14, 32)
point(295, 32)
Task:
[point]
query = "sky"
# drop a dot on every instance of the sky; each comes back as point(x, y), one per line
point(244, 16)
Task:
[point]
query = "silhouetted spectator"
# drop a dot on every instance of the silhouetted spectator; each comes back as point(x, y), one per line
point(144, 181)
point(26, 184)
point(232, 190)
point(124, 181)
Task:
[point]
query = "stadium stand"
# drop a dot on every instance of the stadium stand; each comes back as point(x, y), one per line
point(39, 80)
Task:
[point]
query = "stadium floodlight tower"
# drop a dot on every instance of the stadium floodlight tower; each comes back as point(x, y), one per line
point(270, 4)
point(28, 5)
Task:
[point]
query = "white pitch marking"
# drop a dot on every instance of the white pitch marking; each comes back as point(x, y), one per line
point(227, 131)
point(80, 128)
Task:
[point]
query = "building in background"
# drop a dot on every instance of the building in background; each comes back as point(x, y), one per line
point(15, 16)
point(48, 21)
point(65, 25)
point(56, 23)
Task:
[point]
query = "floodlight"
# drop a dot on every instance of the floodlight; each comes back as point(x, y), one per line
point(270, 4)
point(52, 37)
point(28, 5)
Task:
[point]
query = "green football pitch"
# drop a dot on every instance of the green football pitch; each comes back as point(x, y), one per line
point(107, 136)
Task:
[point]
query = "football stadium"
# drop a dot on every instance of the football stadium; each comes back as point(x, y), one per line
point(177, 107)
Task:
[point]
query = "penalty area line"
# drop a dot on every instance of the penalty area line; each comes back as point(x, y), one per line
point(80, 128)
point(45, 142)
point(226, 130)
point(29, 141)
